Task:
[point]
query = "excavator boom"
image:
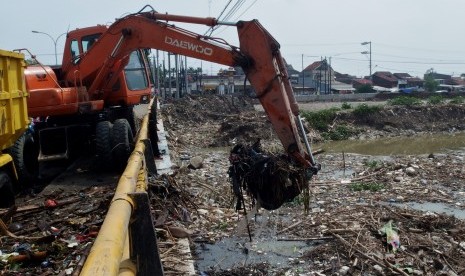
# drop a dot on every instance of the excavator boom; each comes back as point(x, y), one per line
point(258, 55)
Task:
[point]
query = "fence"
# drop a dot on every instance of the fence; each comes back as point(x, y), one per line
point(127, 244)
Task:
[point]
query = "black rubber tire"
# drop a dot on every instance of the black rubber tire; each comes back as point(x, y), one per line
point(7, 195)
point(25, 154)
point(123, 143)
point(104, 145)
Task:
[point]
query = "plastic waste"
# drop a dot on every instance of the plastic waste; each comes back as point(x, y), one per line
point(50, 203)
point(392, 236)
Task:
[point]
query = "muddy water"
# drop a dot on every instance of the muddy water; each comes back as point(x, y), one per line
point(425, 144)
point(236, 252)
point(436, 207)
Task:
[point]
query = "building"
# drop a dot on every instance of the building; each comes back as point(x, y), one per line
point(384, 79)
point(407, 81)
point(440, 78)
point(316, 78)
point(357, 83)
point(344, 78)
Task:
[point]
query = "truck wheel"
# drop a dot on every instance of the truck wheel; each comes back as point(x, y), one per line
point(25, 154)
point(103, 144)
point(7, 195)
point(123, 142)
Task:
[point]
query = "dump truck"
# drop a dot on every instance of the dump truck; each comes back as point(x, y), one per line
point(15, 138)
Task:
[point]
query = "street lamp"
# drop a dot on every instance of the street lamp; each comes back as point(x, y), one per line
point(367, 52)
point(54, 42)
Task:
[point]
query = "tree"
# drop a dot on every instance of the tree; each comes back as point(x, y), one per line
point(431, 85)
point(366, 88)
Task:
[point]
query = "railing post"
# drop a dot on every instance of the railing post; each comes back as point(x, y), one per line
point(143, 239)
point(149, 157)
point(152, 131)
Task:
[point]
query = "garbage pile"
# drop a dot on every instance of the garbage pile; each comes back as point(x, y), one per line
point(269, 178)
point(358, 223)
point(51, 234)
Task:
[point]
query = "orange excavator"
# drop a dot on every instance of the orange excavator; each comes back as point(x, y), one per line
point(105, 73)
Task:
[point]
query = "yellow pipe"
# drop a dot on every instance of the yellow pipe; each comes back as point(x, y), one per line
point(127, 266)
point(106, 253)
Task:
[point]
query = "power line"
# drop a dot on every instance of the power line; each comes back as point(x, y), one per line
point(406, 62)
point(228, 15)
point(211, 29)
point(319, 44)
point(234, 9)
point(240, 15)
point(424, 59)
point(235, 19)
point(225, 7)
point(419, 49)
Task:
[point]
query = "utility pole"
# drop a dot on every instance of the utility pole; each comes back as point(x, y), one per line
point(164, 77)
point(154, 71)
point(158, 71)
point(185, 74)
point(330, 77)
point(176, 57)
point(326, 75)
point(303, 75)
point(169, 76)
point(200, 79)
point(367, 52)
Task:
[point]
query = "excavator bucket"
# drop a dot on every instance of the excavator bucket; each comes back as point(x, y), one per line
point(268, 178)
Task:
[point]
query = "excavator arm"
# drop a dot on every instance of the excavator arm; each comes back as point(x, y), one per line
point(258, 55)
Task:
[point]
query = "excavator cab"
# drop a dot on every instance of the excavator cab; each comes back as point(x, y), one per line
point(133, 85)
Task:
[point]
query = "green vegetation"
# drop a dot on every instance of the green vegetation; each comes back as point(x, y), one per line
point(320, 120)
point(222, 226)
point(346, 105)
point(372, 164)
point(366, 88)
point(369, 186)
point(435, 99)
point(431, 85)
point(341, 132)
point(364, 109)
point(457, 100)
point(405, 100)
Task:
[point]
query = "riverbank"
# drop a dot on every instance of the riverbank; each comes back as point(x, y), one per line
point(354, 199)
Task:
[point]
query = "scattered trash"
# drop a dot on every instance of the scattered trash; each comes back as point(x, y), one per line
point(50, 203)
point(392, 237)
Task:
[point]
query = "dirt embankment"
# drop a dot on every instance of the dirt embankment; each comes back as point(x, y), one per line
point(435, 118)
point(228, 120)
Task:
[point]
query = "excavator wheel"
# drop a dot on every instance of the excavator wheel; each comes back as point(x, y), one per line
point(7, 195)
point(25, 153)
point(123, 143)
point(103, 145)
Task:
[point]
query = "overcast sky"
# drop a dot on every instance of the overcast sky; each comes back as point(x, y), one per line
point(407, 35)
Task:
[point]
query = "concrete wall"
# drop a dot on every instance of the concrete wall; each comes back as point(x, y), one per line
point(336, 97)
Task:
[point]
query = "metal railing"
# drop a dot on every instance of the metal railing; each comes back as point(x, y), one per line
point(126, 243)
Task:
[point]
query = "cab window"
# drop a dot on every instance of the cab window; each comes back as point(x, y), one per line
point(89, 40)
point(75, 53)
point(135, 72)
